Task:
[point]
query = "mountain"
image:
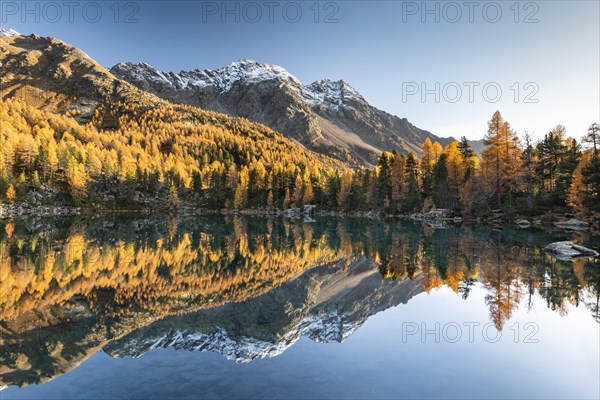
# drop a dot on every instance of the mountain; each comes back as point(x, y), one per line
point(8, 32)
point(326, 304)
point(54, 76)
point(477, 146)
point(121, 134)
point(327, 116)
point(261, 93)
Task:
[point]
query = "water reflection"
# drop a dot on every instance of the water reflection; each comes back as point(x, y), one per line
point(248, 288)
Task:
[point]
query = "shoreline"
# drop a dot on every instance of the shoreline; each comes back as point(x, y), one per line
point(436, 219)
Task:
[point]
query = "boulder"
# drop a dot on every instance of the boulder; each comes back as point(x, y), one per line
point(569, 251)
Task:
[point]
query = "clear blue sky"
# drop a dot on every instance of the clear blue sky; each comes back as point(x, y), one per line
point(382, 48)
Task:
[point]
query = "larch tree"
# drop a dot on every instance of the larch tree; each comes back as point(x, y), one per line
point(238, 196)
point(501, 157)
point(455, 166)
point(172, 198)
point(512, 156)
point(307, 196)
point(576, 197)
point(11, 194)
point(77, 178)
point(286, 199)
point(437, 151)
point(298, 184)
point(345, 187)
point(492, 156)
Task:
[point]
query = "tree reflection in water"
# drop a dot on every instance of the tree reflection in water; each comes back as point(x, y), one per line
point(67, 290)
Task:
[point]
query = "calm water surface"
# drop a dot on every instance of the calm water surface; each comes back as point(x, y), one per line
point(219, 307)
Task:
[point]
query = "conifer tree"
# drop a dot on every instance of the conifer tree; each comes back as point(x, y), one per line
point(593, 137)
point(501, 158)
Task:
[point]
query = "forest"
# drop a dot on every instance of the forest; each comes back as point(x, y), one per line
point(172, 155)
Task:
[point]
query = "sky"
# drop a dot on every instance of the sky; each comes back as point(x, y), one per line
point(446, 66)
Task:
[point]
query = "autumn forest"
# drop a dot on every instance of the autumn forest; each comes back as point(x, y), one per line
point(173, 155)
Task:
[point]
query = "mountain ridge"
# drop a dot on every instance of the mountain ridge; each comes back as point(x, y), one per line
point(7, 32)
point(327, 116)
point(55, 76)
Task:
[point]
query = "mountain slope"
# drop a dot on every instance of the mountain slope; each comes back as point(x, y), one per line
point(341, 105)
point(54, 76)
point(261, 93)
point(326, 116)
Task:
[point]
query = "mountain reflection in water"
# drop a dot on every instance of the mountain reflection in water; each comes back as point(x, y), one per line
point(249, 288)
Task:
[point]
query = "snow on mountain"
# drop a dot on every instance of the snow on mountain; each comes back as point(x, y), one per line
point(332, 94)
point(326, 116)
point(242, 350)
point(249, 71)
point(329, 327)
point(8, 32)
point(329, 93)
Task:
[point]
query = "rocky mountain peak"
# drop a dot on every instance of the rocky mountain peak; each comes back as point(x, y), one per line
point(144, 75)
point(252, 71)
point(222, 80)
point(332, 94)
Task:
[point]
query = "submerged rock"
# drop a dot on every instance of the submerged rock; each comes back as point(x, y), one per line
point(572, 224)
point(569, 251)
point(523, 223)
point(439, 214)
